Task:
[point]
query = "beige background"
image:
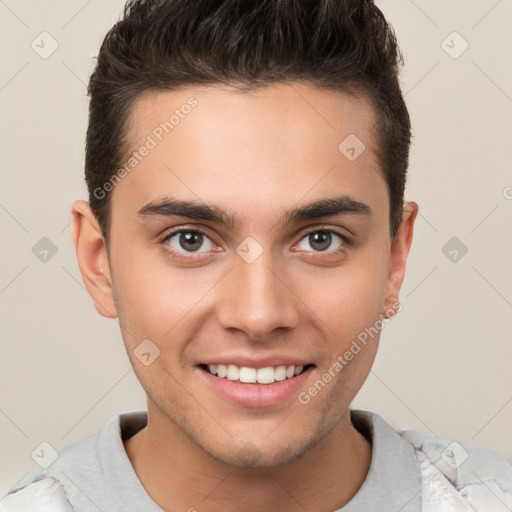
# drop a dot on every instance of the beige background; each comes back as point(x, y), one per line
point(444, 363)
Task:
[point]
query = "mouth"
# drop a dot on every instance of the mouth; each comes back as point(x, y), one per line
point(250, 387)
point(248, 375)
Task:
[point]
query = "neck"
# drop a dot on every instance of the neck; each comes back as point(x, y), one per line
point(178, 475)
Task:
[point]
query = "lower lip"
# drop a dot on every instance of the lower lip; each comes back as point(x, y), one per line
point(255, 395)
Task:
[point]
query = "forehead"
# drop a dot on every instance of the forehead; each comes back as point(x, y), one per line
point(269, 147)
point(308, 114)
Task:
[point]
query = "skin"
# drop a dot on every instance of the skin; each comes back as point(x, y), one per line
point(255, 155)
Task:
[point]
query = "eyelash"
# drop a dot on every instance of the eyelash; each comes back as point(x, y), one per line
point(347, 242)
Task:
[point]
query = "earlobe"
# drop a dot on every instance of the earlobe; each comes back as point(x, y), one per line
point(399, 251)
point(91, 253)
point(392, 306)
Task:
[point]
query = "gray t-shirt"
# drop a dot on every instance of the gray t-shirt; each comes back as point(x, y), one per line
point(409, 472)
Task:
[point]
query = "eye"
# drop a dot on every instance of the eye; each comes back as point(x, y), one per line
point(188, 241)
point(322, 240)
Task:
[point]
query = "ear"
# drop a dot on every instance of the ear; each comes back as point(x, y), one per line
point(399, 251)
point(91, 253)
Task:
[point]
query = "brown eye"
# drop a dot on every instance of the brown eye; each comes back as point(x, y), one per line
point(188, 241)
point(322, 240)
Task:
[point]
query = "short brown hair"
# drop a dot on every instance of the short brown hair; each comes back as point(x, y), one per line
point(159, 45)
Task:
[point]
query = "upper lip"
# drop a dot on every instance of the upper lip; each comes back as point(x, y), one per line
point(260, 362)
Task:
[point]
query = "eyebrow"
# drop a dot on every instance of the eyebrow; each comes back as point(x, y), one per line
point(329, 207)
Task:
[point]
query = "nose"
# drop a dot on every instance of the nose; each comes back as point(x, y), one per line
point(257, 300)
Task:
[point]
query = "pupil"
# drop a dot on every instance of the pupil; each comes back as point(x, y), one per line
point(191, 241)
point(321, 239)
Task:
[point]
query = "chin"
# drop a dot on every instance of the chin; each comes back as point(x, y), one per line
point(259, 455)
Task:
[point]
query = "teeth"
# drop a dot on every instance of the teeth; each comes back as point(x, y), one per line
point(280, 373)
point(233, 372)
point(247, 374)
point(266, 375)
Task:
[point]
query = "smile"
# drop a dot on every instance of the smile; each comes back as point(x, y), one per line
point(252, 387)
point(267, 375)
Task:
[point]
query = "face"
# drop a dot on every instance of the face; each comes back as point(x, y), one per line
point(246, 240)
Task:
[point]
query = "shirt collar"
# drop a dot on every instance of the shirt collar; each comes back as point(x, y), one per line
point(120, 477)
point(394, 479)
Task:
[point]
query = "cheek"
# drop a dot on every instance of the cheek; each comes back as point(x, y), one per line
point(350, 300)
point(157, 301)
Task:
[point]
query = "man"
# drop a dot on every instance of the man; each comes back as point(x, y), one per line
point(246, 165)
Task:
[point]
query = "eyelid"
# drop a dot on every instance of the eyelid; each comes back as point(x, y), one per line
point(168, 233)
point(326, 228)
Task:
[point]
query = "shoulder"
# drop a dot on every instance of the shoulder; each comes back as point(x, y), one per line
point(49, 491)
point(465, 477)
point(44, 495)
point(82, 474)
